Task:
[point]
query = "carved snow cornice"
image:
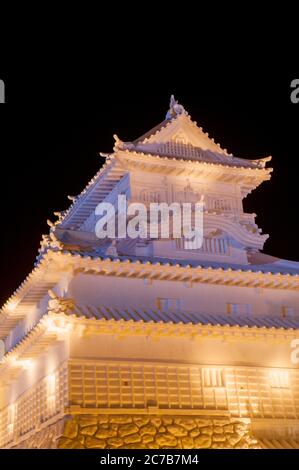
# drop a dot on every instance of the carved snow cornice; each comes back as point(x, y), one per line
point(31, 346)
point(245, 233)
point(56, 326)
point(54, 264)
point(27, 296)
point(132, 160)
point(158, 269)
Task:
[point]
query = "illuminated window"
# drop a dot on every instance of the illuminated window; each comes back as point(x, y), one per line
point(241, 309)
point(51, 393)
point(11, 415)
point(279, 379)
point(212, 377)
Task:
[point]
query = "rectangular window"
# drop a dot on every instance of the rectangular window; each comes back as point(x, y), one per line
point(212, 377)
point(218, 246)
point(279, 379)
point(51, 393)
point(289, 311)
point(222, 205)
point(169, 304)
point(238, 309)
point(11, 415)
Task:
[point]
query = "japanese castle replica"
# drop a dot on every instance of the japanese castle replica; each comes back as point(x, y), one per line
point(146, 343)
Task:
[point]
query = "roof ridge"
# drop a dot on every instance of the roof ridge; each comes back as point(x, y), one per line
point(229, 164)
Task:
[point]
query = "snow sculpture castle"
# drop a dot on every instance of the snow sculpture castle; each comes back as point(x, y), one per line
point(145, 343)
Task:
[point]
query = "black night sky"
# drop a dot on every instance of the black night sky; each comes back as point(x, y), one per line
point(52, 128)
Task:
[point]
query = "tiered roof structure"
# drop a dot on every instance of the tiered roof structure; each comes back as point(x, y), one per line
point(226, 310)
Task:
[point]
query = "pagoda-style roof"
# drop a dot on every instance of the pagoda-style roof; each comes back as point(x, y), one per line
point(176, 146)
point(137, 313)
point(262, 263)
point(139, 321)
point(267, 272)
point(179, 137)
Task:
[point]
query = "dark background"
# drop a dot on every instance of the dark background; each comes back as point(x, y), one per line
point(54, 125)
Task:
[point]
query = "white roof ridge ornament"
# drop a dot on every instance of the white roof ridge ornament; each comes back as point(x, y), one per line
point(121, 145)
point(174, 108)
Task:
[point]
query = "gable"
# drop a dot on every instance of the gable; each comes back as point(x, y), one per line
point(180, 130)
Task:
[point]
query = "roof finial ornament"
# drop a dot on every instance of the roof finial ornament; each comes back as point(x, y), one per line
point(118, 143)
point(174, 108)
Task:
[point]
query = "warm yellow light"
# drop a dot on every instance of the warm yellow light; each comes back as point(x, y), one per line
point(11, 414)
point(51, 393)
point(279, 379)
point(212, 377)
point(11, 306)
point(24, 363)
point(51, 384)
point(59, 327)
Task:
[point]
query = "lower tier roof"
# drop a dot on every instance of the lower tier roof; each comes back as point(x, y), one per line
point(260, 262)
point(144, 314)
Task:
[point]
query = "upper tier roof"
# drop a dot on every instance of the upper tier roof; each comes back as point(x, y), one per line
point(179, 137)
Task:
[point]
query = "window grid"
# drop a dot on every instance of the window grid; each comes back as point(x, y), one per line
point(244, 392)
point(209, 245)
point(32, 409)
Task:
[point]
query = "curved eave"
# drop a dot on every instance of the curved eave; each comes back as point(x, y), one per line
point(261, 172)
point(54, 327)
point(60, 261)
